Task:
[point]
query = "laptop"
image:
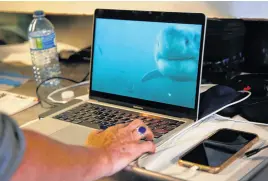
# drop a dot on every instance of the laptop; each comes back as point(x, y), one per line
point(145, 65)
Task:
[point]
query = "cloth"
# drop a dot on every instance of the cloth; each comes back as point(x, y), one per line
point(12, 146)
point(165, 160)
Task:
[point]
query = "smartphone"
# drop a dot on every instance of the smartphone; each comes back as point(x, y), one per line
point(218, 150)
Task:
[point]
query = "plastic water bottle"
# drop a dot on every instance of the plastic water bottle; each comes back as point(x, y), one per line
point(43, 49)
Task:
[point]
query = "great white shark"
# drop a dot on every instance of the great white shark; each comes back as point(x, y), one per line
point(176, 54)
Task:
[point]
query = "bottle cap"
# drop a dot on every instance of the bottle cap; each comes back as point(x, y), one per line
point(67, 95)
point(39, 13)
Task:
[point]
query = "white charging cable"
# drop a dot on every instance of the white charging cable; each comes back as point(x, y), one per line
point(228, 105)
point(204, 118)
point(49, 97)
point(191, 172)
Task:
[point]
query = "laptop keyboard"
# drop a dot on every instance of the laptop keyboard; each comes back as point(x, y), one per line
point(88, 114)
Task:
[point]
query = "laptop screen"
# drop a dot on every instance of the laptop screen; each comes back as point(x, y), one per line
point(154, 61)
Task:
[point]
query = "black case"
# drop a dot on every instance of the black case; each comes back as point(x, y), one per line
point(224, 38)
point(223, 50)
point(256, 46)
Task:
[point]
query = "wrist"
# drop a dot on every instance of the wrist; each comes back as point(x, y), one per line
point(99, 164)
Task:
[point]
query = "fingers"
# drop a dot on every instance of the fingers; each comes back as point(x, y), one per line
point(136, 134)
point(146, 146)
point(137, 149)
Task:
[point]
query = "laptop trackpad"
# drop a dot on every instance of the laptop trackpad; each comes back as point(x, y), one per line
point(72, 134)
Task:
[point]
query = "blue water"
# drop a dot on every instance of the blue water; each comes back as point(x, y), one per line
point(124, 52)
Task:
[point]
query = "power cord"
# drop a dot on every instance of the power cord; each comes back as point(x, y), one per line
point(255, 151)
point(49, 97)
point(63, 78)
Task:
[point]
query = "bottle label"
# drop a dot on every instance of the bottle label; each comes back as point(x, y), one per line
point(43, 42)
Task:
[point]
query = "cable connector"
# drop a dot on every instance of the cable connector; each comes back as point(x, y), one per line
point(252, 152)
point(194, 168)
point(255, 151)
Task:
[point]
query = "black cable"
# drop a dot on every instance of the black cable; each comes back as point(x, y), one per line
point(255, 151)
point(63, 78)
point(37, 88)
point(85, 78)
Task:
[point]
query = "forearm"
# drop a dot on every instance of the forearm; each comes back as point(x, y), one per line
point(47, 159)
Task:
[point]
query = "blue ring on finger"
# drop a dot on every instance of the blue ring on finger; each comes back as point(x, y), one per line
point(141, 130)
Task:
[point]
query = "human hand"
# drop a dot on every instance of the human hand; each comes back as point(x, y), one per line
point(122, 144)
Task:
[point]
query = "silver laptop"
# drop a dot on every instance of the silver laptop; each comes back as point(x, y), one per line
point(145, 65)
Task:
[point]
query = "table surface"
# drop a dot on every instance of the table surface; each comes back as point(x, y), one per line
point(73, 71)
point(76, 72)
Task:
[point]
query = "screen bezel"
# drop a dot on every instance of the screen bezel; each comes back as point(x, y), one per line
point(151, 16)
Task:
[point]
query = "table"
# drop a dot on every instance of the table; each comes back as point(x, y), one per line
point(77, 72)
point(73, 71)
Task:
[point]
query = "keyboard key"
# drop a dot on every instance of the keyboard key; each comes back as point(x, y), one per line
point(128, 115)
point(76, 121)
point(113, 120)
point(100, 117)
point(161, 126)
point(170, 128)
point(118, 117)
point(176, 123)
point(127, 120)
point(115, 112)
point(106, 119)
point(90, 125)
point(153, 125)
point(161, 131)
point(98, 121)
point(173, 122)
point(85, 105)
point(58, 116)
point(86, 117)
point(157, 135)
point(95, 112)
point(155, 121)
point(180, 122)
point(103, 127)
point(163, 123)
